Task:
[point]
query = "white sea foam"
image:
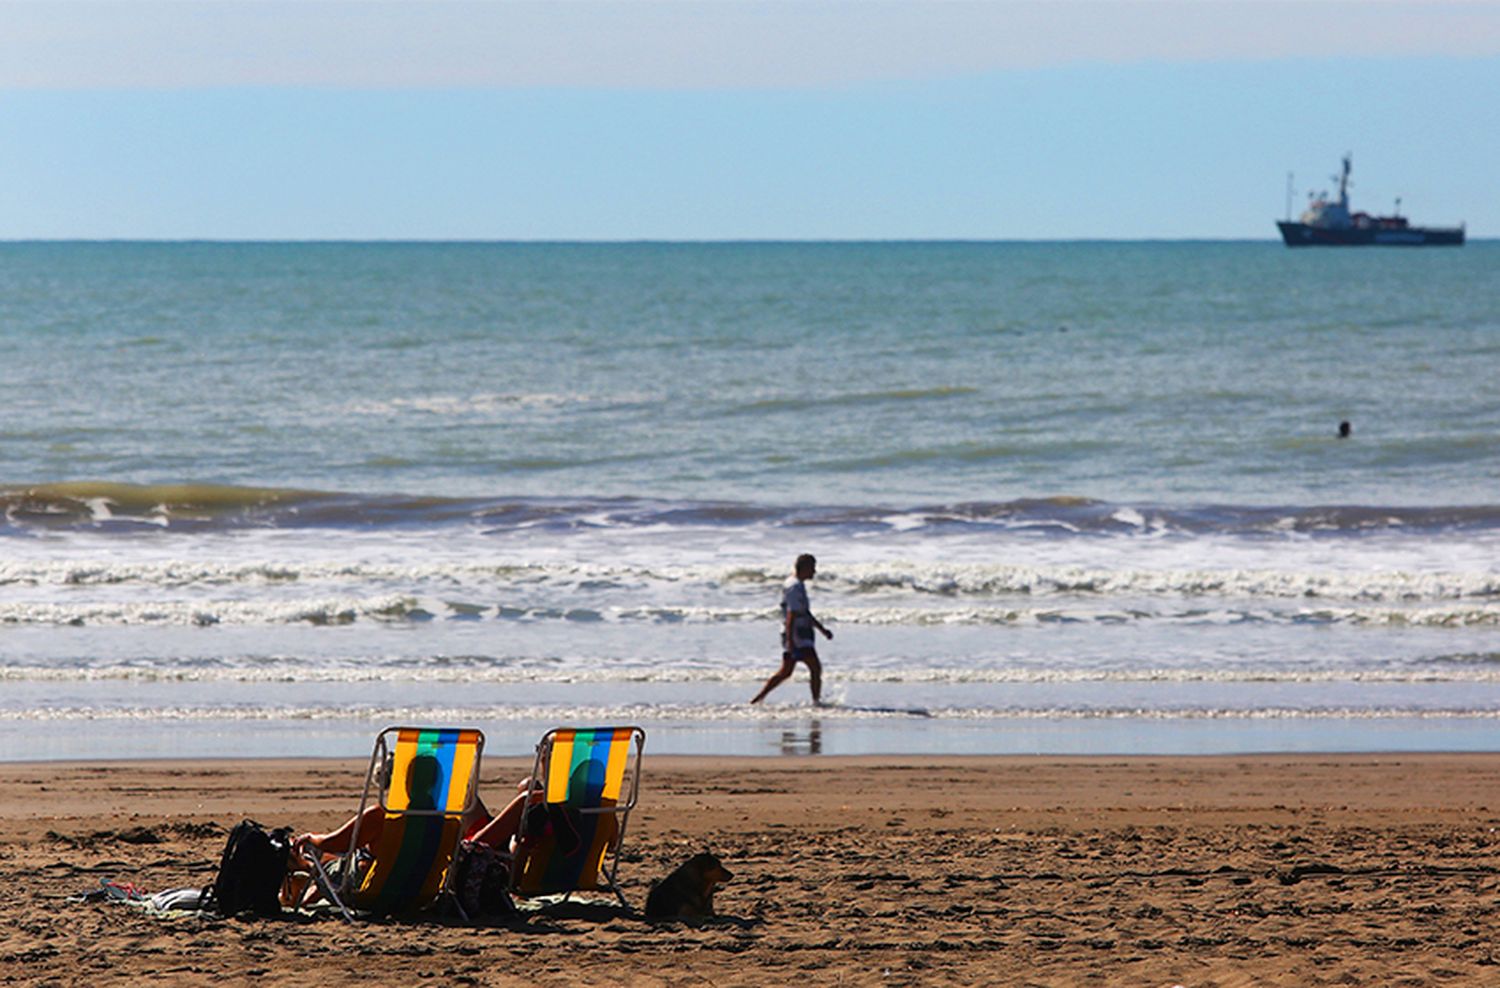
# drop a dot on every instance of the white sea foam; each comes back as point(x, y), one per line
point(314, 611)
point(453, 405)
point(100, 508)
point(486, 670)
point(718, 713)
point(402, 608)
point(910, 578)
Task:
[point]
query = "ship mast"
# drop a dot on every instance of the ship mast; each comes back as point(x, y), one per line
point(1344, 182)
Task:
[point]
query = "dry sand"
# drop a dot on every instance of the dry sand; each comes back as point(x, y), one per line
point(1265, 870)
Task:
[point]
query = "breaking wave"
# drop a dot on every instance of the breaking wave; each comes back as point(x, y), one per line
point(114, 506)
point(403, 609)
point(924, 581)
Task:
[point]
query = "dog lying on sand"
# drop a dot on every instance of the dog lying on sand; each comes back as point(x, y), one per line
point(688, 891)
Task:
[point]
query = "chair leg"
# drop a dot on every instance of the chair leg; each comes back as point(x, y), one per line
point(452, 897)
point(325, 885)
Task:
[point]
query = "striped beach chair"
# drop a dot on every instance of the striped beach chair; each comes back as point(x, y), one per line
point(425, 780)
point(589, 779)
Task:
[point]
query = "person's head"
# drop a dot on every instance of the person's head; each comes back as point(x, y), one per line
point(806, 566)
point(422, 775)
point(1344, 429)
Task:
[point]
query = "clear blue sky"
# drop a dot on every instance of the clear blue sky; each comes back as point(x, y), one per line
point(787, 119)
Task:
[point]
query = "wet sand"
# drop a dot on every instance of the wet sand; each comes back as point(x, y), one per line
point(1257, 870)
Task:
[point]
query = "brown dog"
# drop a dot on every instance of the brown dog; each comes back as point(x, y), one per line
point(688, 891)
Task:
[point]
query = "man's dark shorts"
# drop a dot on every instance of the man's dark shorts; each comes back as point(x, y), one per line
point(800, 654)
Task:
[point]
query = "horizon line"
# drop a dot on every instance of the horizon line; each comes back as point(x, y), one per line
point(639, 241)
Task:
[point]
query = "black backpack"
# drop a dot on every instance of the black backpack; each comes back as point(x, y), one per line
point(251, 871)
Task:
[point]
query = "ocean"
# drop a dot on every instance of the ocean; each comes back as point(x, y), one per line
point(265, 499)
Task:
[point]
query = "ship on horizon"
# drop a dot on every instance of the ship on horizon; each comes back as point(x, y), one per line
point(1328, 223)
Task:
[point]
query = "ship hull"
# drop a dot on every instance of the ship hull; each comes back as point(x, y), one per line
point(1302, 235)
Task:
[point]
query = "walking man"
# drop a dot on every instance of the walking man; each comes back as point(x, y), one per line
point(797, 625)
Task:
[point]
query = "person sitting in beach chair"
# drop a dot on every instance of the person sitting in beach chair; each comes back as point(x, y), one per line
point(499, 831)
point(584, 784)
point(395, 855)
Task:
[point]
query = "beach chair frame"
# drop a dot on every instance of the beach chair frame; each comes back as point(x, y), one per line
point(382, 768)
point(554, 781)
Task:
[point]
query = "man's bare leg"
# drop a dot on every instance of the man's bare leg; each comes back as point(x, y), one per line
point(816, 668)
point(780, 676)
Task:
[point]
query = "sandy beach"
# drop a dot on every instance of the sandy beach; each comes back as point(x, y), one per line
point(1285, 870)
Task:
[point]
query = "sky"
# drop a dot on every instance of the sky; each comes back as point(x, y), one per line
point(778, 119)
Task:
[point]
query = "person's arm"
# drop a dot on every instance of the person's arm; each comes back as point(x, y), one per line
point(337, 841)
point(812, 619)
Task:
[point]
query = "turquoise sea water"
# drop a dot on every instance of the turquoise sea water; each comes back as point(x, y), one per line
point(1066, 497)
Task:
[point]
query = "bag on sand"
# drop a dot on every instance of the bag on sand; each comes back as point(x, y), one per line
point(481, 881)
point(251, 871)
